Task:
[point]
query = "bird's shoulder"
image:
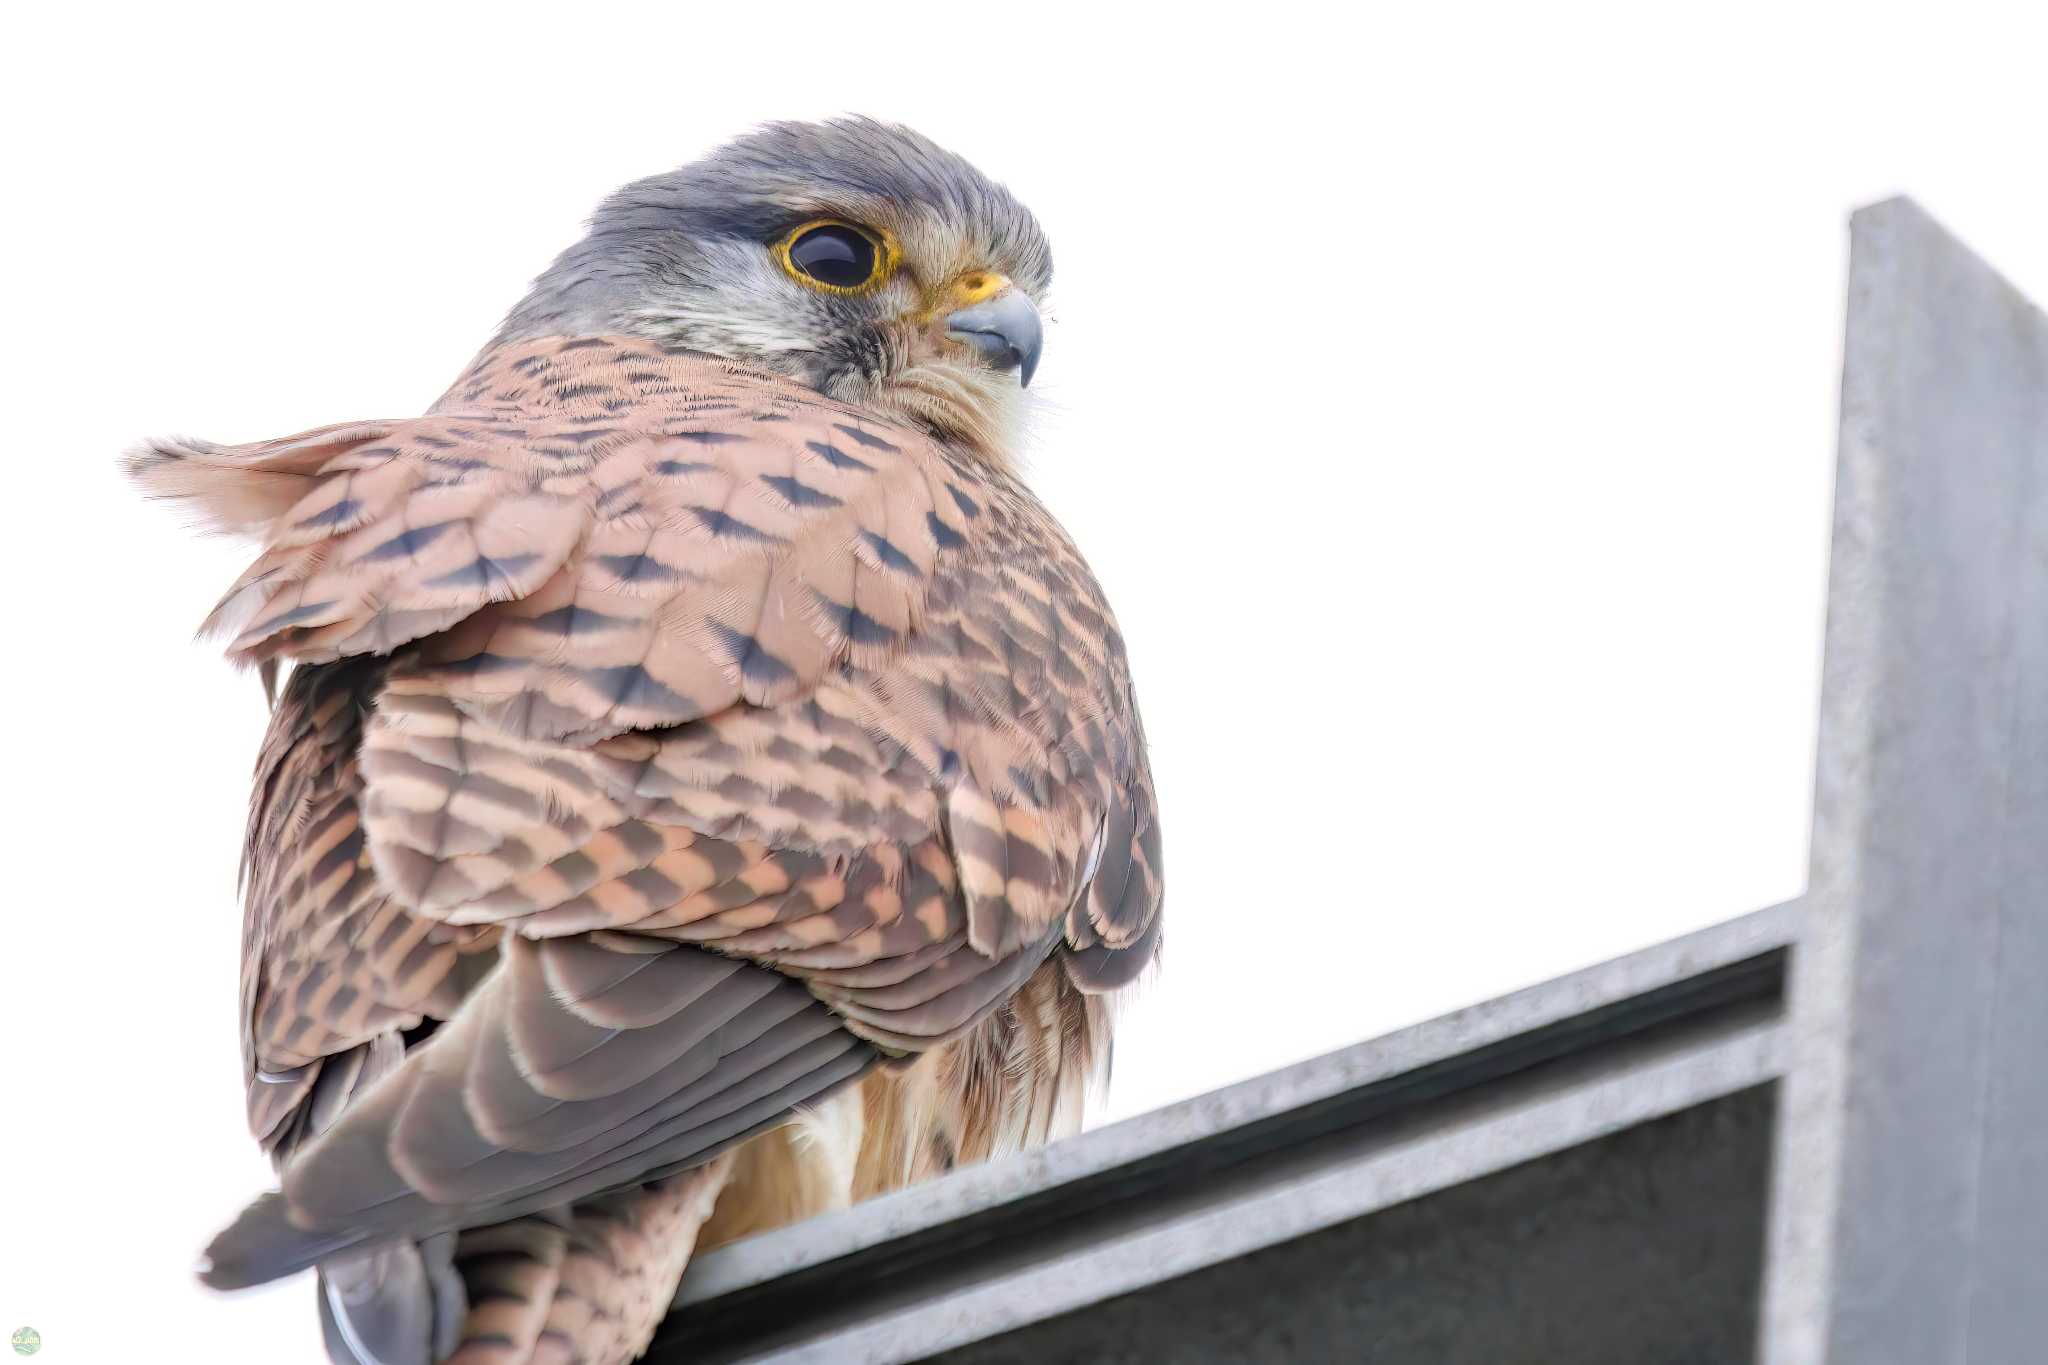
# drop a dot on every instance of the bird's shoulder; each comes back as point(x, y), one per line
point(783, 620)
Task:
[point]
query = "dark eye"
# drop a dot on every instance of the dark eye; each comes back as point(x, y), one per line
point(834, 254)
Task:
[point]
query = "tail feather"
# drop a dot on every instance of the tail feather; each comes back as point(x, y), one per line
point(398, 1304)
point(262, 1244)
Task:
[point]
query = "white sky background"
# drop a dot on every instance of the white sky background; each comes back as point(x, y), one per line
point(1447, 403)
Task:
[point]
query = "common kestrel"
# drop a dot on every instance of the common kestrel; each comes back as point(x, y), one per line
point(708, 787)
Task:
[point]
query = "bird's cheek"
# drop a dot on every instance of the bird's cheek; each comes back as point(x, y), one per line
point(924, 346)
point(890, 347)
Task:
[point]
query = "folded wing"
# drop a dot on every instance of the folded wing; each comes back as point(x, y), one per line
point(765, 741)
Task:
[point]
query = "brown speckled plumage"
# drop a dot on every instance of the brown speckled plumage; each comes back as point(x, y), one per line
point(684, 745)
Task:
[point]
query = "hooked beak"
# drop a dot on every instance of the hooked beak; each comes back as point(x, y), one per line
point(1006, 329)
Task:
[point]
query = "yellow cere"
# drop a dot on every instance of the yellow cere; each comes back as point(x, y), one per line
point(977, 285)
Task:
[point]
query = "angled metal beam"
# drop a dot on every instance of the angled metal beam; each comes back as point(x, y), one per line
point(1270, 1159)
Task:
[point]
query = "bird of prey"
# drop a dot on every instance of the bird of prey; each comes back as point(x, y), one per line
point(707, 787)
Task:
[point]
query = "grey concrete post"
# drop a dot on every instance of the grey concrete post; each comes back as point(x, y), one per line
point(1909, 1220)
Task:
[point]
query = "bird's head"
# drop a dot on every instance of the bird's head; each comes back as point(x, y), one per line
point(856, 257)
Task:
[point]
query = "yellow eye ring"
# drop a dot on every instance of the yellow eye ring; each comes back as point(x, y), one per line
point(834, 256)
